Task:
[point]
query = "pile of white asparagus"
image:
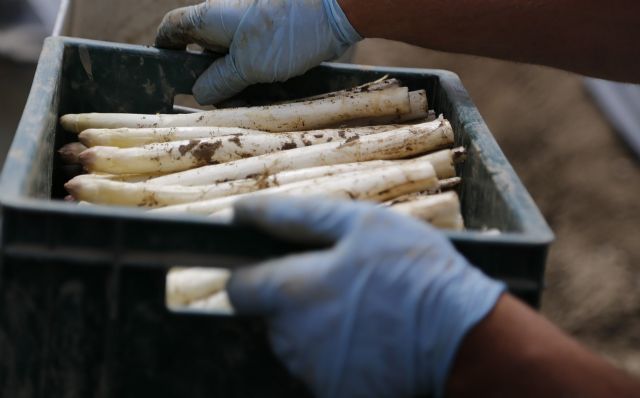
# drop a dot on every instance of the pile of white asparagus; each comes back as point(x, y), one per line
point(375, 142)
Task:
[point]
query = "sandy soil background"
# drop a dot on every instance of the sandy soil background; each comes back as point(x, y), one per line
point(585, 182)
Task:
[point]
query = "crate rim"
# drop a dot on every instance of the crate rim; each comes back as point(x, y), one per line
point(133, 214)
point(534, 232)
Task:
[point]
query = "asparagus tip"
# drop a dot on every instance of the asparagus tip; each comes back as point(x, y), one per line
point(70, 152)
point(85, 137)
point(73, 186)
point(69, 122)
point(88, 158)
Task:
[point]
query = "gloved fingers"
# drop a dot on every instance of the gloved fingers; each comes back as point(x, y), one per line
point(180, 27)
point(266, 288)
point(305, 220)
point(219, 82)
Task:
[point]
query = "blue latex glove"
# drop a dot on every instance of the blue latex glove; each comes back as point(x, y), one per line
point(267, 40)
point(381, 313)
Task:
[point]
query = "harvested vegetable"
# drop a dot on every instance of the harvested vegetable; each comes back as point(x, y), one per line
point(189, 284)
point(107, 190)
point(295, 116)
point(442, 210)
point(419, 110)
point(70, 153)
point(379, 184)
point(183, 155)
point(128, 137)
point(396, 144)
point(377, 85)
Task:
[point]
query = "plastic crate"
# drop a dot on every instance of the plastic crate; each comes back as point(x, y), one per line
point(82, 309)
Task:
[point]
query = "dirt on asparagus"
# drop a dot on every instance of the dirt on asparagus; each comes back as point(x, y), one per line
point(581, 176)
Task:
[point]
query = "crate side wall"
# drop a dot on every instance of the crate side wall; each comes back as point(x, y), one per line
point(52, 321)
point(28, 166)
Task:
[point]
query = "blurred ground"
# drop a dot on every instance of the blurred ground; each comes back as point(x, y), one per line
point(581, 176)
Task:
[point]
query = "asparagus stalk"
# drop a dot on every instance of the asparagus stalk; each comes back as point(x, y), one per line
point(419, 107)
point(185, 285)
point(377, 85)
point(183, 155)
point(128, 137)
point(444, 161)
point(449, 183)
point(378, 184)
point(128, 178)
point(109, 192)
point(419, 110)
point(443, 185)
point(396, 144)
point(218, 302)
point(70, 153)
point(441, 210)
point(276, 118)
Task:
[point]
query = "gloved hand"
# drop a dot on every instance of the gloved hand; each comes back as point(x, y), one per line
point(380, 313)
point(268, 40)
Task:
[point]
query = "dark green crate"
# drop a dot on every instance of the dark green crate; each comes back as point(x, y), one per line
point(82, 288)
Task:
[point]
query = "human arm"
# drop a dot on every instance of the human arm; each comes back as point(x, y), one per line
point(584, 36)
point(391, 309)
point(271, 41)
point(515, 351)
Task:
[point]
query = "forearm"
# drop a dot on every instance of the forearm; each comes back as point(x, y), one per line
point(516, 352)
point(584, 36)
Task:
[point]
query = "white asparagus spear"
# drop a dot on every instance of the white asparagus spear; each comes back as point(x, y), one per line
point(128, 137)
point(442, 186)
point(444, 161)
point(70, 152)
point(183, 155)
point(296, 116)
point(106, 191)
point(129, 178)
point(378, 184)
point(419, 110)
point(103, 190)
point(396, 144)
point(218, 302)
point(441, 210)
point(185, 285)
point(449, 183)
point(419, 106)
point(377, 85)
